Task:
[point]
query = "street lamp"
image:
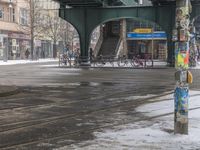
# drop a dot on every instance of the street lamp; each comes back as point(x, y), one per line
point(10, 4)
point(10, 9)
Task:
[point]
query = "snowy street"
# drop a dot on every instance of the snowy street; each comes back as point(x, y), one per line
point(60, 108)
point(152, 134)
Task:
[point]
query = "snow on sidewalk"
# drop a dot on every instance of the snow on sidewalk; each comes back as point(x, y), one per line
point(14, 62)
point(156, 134)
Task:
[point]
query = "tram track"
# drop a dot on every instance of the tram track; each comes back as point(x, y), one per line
point(31, 123)
point(53, 102)
point(88, 98)
point(43, 121)
point(83, 131)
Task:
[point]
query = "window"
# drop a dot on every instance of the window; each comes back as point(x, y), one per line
point(10, 15)
point(13, 15)
point(1, 13)
point(23, 16)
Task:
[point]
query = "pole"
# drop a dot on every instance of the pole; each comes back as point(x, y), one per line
point(152, 42)
point(181, 64)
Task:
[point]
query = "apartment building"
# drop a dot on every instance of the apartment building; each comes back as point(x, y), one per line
point(13, 41)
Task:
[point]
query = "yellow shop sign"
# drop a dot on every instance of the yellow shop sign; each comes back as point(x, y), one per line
point(142, 30)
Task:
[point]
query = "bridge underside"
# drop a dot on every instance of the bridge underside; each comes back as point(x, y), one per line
point(86, 19)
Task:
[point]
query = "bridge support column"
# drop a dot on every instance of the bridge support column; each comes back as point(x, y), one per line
point(123, 27)
point(81, 21)
point(84, 36)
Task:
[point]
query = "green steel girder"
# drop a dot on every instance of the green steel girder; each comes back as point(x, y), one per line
point(85, 20)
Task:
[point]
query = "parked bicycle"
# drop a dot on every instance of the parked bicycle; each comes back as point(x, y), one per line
point(63, 59)
point(137, 61)
point(122, 61)
point(101, 61)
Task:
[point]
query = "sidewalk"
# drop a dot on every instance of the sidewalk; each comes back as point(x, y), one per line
point(10, 90)
point(14, 62)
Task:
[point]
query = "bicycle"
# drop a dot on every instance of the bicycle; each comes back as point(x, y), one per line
point(111, 60)
point(63, 59)
point(148, 60)
point(122, 61)
point(136, 61)
point(99, 61)
point(76, 61)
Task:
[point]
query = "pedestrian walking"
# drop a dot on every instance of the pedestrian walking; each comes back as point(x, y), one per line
point(27, 53)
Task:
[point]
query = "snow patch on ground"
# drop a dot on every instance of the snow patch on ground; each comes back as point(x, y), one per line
point(156, 134)
point(14, 62)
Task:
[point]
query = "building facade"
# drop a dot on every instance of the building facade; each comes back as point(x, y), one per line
point(13, 41)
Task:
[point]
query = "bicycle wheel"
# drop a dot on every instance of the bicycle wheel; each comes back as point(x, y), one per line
point(148, 63)
point(111, 61)
point(121, 62)
point(100, 63)
point(135, 62)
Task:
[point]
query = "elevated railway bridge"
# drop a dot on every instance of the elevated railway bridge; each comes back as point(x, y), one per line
point(86, 15)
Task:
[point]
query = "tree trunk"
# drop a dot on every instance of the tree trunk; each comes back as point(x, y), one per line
point(54, 50)
point(32, 47)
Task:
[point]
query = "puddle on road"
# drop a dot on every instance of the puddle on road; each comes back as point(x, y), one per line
point(93, 84)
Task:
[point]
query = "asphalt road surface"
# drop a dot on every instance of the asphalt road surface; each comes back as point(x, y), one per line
point(56, 107)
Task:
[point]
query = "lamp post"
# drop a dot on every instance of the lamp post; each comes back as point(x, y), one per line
point(10, 10)
point(152, 42)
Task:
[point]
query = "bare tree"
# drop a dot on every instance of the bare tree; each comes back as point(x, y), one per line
point(52, 29)
point(31, 24)
point(68, 33)
point(58, 29)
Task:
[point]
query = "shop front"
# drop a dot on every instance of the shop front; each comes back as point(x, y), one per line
point(3, 46)
point(46, 49)
point(18, 44)
point(152, 43)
